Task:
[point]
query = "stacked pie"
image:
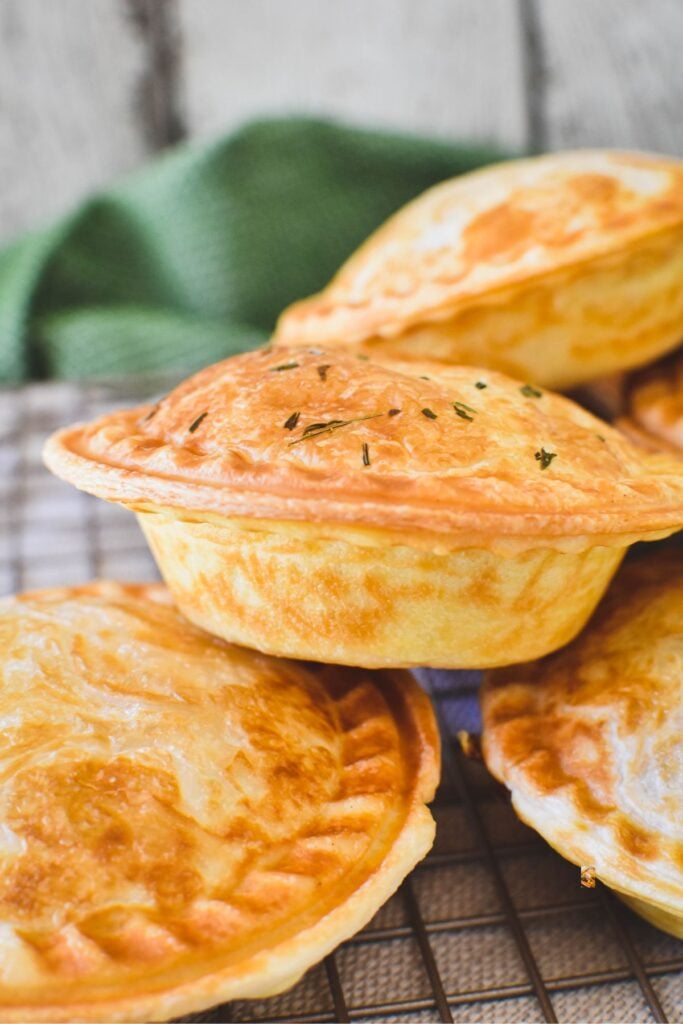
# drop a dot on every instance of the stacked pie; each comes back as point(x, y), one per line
point(590, 740)
point(314, 505)
point(185, 821)
point(558, 270)
point(208, 786)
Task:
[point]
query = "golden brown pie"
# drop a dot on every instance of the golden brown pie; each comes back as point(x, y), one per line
point(316, 505)
point(653, 405)
point(555, 269)
point(590, 740)
point(184, 821)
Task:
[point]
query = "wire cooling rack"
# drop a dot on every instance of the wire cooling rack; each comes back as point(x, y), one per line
point(492, 926)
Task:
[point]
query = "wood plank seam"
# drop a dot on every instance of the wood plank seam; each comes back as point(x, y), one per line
point(535, 75)
point(159, 105)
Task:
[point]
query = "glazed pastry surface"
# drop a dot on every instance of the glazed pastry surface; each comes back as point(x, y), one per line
point(184, 821)
point(560, 268)
point(416, 449)
point(588, 740)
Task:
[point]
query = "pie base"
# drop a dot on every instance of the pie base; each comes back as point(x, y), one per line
point(562, 330)
point(660, 918)
point(301, 594)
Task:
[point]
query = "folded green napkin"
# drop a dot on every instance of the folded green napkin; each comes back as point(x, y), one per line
point(192, 258)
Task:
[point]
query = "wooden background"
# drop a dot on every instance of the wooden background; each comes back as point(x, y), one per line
point(92, 88)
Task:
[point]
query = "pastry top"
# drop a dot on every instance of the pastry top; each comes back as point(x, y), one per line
point(654, 404)
point(174, 806)
point(489, 231)
point(589, 739)
point(325, 437)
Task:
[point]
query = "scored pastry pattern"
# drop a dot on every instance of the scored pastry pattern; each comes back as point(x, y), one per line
point(176, 907)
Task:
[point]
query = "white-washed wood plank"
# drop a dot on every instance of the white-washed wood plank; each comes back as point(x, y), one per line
point(70, 71)
point(613, 73)
point(452, 68)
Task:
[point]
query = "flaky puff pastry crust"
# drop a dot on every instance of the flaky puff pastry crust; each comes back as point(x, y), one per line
point(589, 740)
point(183, 821)
point(653, 405)
point(557, 269)
point(315, 505)
point(416, 449)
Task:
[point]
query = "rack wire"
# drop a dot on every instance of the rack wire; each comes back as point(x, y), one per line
point(492, 926)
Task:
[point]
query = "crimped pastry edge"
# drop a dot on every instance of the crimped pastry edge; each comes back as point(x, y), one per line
point(512, 532)
point(284, 964)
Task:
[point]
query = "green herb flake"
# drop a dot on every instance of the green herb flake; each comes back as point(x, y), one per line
point(322, 371)
point(323, 425)
point(291, 421)
point(463, 411)
point(429, 414)
point(393, 412)
point(544, 457)
point(329, 426)
point(363, 358)
point(600, 437)
point(480, 385)
point(530, 392)
point(366, 455)
point(200, 419)
point(422, 377)
point(283, 366)
point(150, 414)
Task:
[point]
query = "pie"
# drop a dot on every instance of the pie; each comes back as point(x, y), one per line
point(555, 269)
point(653, 400)
point(588, 740)
point(184, 821)
point(315, 505)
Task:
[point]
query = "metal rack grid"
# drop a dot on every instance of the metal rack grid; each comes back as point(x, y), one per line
point(492, 926)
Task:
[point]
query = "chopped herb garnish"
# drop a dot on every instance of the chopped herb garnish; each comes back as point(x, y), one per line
point(393, 412)
point(284, 366)
point(422, 377)
point(359, 355)
point(321, 426)
point(480, 384)
point(322, 371)
point(600, 437)
point(329, 426)
point(544, 457)
point(529, 392)
point(200, 419)
point(292, 421)
point(463, 411)
point(429, 414)
point(366, 455)
point(151, 413)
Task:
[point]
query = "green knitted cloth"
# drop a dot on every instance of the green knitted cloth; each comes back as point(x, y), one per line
point(193, 258)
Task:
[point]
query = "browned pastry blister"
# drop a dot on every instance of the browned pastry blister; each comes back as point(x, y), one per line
point(184, 821)
point(316, 505)
point(557, 269)
point(589, 740)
